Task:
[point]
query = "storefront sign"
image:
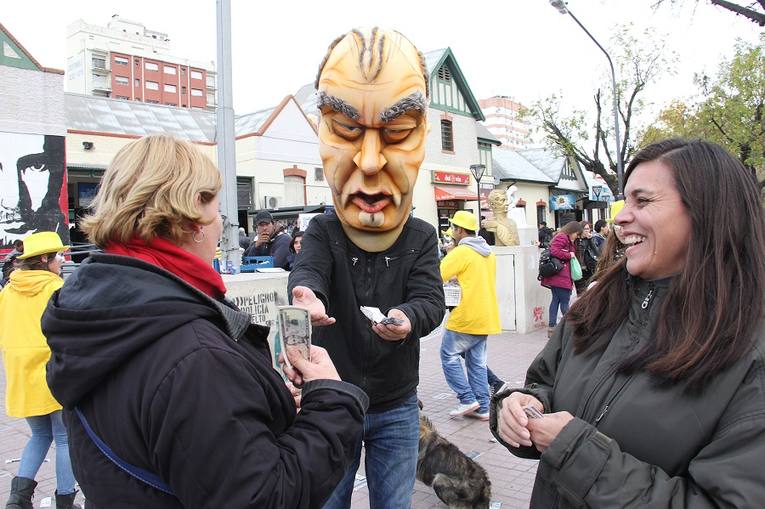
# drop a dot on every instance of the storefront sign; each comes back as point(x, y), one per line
point(447, 177)
point(563, 202)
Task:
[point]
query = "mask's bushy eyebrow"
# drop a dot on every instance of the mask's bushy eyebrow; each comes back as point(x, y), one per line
point(415, 101)
point(338, 105)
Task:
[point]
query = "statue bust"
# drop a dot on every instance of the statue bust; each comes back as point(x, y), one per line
point(515, 213)
point(504, 229)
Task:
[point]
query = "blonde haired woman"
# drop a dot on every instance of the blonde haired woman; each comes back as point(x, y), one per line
point(25, 353)
point(169, 392)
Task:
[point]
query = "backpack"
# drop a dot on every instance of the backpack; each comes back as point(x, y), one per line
point(548, 265)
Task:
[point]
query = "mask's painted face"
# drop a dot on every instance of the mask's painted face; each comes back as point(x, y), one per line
point(373, 126)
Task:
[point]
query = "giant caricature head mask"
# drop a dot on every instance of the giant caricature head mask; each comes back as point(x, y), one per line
point(372, 90)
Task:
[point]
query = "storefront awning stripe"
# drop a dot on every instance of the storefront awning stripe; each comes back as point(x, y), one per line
point(454, 193)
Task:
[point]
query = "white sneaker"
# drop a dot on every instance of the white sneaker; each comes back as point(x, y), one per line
point(463, 409)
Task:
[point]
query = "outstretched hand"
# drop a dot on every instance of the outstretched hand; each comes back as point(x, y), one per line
point(392, 332)
point(303, 297)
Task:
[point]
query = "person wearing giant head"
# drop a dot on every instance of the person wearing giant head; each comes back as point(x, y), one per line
point(372, 90)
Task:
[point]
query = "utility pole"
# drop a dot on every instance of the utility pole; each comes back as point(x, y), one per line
point(224, 135)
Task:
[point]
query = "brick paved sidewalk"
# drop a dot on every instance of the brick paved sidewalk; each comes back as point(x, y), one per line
point(512, 478)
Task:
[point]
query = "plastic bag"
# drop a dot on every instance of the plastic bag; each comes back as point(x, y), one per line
point(576, 269)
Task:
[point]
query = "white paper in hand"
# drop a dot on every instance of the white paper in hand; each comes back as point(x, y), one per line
point(372, 313)
point(294, 331)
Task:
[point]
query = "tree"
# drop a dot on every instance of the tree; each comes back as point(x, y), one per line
point(588, 137)
point(730, 110)
point(754, 12)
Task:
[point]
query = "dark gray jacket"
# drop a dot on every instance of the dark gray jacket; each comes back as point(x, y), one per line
point(633, 443)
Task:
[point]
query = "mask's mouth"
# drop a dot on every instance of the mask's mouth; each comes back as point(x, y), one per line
point(373, 202)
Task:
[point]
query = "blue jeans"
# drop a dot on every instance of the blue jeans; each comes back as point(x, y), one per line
point(475, 387)
point(391, 441)
point(45, 429)
point(560, 297)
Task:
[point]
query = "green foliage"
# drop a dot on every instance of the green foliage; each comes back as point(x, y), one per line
point(731, 110)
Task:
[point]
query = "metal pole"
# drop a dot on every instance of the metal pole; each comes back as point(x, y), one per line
point(224, 132)
point(478, 194)
point(619, 166)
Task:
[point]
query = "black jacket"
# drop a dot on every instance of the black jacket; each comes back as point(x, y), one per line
point(637, 443)
point(181, 385)
point(278, 247)
point(406, 277)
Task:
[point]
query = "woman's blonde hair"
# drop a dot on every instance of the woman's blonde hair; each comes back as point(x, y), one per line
point(151, 190)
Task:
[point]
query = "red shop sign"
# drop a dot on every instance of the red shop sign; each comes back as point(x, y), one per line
point(447, 177)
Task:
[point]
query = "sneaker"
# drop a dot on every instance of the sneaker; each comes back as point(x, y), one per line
point(465, 408)
point(481, 416)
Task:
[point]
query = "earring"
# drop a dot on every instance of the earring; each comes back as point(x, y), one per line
point(194, 236)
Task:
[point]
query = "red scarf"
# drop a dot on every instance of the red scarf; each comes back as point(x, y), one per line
point(163, 253)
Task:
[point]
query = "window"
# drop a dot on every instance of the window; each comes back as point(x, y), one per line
point(99, 62)
point(121, 60)
point(541, 214)
point(447, 140)
point(197, 93)
point(196, 75)
point(170, 88)
point(318, 174)
point(121, 97)
point(169, 69)
point(210, 82)
point(121, 80)
point(444, 73)
point(151, 66)
point(137, 83)
point(152, 85)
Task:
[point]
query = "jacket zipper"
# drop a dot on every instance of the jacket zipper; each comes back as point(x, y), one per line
point(611, 401)
point(643, 305)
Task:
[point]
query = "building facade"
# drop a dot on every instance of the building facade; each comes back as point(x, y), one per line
point(505, 121)
point(125, 60)
point(33, 193)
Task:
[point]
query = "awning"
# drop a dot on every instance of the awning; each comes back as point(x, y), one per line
point(454, 193)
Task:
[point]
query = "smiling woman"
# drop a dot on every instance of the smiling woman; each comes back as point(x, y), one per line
point(652, 387)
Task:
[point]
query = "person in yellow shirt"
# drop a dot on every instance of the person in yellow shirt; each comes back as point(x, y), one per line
point(477, 315)
point(25, 353)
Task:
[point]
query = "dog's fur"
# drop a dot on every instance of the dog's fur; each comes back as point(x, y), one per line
point(458, 481)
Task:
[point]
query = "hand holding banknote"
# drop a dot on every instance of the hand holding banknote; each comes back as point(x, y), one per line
point(320, 367)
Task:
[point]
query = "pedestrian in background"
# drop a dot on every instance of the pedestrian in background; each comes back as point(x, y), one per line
point(587, 254)
point(601, 233)
point(563, 247)
point(25, 352)
point(545, 235)
point(270, 240)
point(295, 246)
point(652, 388)
point(173, 383)
point(474, 265)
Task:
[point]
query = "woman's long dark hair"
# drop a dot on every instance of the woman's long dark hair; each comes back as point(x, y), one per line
point(708, 319)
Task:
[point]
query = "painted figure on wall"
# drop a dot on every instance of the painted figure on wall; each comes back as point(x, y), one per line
point(505, 230)
point(31, 186)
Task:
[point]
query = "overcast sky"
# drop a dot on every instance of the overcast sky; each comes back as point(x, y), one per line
point(520, 48)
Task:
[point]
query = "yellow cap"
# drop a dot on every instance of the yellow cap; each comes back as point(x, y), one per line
point(41, 243)
point(466, 220)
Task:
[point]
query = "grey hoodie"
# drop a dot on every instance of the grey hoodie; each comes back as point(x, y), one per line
point(478, 244)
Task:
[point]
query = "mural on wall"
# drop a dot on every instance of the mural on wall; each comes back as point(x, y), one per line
point(32, 191)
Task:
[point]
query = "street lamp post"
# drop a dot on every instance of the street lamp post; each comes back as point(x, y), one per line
point(561, 6)
point(477, 171)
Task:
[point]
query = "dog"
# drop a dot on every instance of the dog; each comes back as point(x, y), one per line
point(458, 481)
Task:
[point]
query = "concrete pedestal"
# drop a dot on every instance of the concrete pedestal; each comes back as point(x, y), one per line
point(523, 302)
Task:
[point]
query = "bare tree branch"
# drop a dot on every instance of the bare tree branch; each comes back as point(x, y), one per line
point(751, 14)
